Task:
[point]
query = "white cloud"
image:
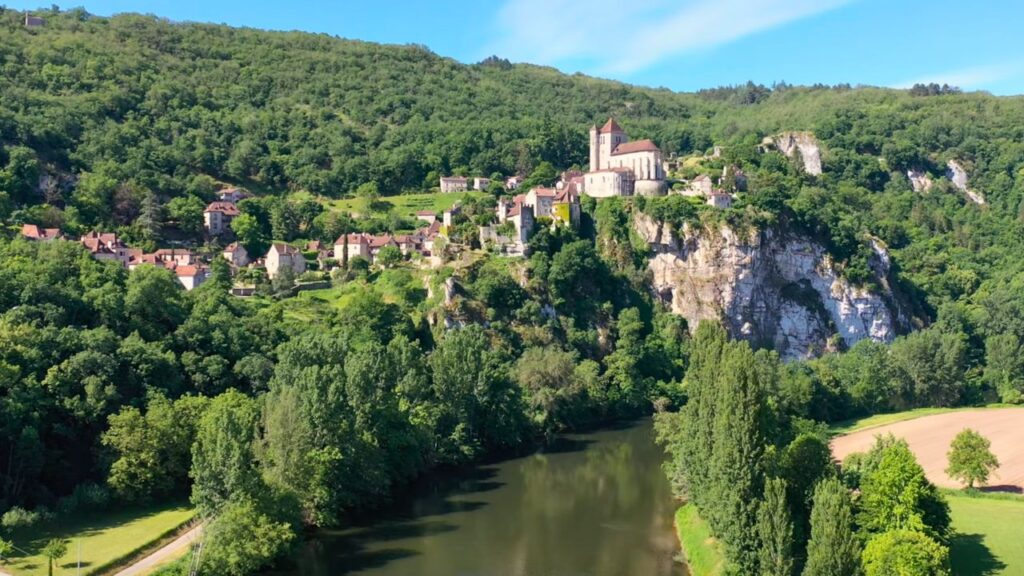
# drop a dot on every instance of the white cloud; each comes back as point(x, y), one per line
point(623, 36)
point(972, 77)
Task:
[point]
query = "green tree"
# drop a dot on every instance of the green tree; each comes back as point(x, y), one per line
point(897, 496)
point(736, 470)
point(775, 531)
point(906, 553)
point(242, 539)
point(54, 550)
point(249, 232)
point(187, 213)
point(389, 256)
point(154, 302)
point(223, 457)
point(833, 549)
point(549, 384)
point(971, 459)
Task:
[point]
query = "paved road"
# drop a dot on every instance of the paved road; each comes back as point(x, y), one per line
point(166, 552)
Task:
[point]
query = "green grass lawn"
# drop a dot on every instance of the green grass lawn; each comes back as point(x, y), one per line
point(989, 537)
point(703, 554)
point(104, 539)
point(406, 204)
point(848, 426)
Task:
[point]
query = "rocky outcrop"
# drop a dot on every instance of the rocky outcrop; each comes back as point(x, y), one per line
point(958, 176)
point(920, 181)
point(789, 143)
point(774, 289)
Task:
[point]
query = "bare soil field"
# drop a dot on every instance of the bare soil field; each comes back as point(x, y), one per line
point(930, 436)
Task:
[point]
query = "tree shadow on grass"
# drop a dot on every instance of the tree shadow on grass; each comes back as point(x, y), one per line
point(970, 556)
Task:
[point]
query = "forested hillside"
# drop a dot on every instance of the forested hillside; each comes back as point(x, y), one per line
point(121, 387)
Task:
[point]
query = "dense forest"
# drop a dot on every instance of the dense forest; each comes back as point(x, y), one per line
point(121, 387)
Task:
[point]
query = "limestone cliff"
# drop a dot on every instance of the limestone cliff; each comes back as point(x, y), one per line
point(771, 288)
point(958, 176)
point(804, 142)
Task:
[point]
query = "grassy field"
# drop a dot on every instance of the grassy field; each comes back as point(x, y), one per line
point(703, 554)
point(104, 539)
point(408, 204)
point(848, 426)
point(989, 537)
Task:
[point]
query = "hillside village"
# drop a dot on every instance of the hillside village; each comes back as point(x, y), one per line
point(618, 166)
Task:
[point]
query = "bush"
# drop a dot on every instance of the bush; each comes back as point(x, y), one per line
point(17, 518)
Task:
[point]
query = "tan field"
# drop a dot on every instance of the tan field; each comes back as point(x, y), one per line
point(930, 436)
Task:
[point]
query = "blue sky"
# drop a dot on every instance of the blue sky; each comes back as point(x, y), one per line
point(679, 44)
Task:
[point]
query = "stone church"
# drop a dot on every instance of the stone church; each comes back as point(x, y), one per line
point(619, 167)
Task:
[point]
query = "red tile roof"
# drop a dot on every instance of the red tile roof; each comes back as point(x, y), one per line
point(609, 127)
point(34, 232)
point(548, 192)
point(233, 247)
point(636, 146)
point(225, 208)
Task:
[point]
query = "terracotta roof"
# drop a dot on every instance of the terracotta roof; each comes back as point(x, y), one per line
point(381, 241)
point(188, 270)
point(36, 233)
point(609, 127)
point(426, 213)
point(701, 178)
point(352, 239)
point(539, 191)
point(636, 146)
point(233, 247)
point(226, 208)
point(454, 178)
point(97, 242)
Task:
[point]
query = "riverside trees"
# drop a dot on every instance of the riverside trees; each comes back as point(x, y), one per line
point(730, 455)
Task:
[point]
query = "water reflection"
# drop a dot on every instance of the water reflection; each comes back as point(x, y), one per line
point(591, 505)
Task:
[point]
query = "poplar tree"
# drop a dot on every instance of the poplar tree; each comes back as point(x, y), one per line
point(736, 469)
point(833, 549)
point(775, 529)
point(697, 419)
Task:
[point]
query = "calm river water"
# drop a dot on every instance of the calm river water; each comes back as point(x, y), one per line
point(593, 505)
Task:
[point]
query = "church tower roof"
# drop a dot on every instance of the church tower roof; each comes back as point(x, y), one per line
point(610, 127)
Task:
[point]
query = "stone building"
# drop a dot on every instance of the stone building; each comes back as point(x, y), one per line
point(454, 184)
point(281, 256)
point(218, 216)
point(612, 150)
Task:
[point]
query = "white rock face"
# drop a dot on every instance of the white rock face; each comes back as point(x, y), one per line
point(771, 290)
point(958, 176)
point(789, 142)
point(920, 181)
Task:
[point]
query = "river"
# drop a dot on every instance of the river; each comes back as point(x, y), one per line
point(593, 504)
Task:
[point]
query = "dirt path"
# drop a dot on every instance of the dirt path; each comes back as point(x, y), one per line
point(164, 553)
point(929, 438)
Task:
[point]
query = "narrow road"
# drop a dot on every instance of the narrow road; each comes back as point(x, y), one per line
point(166, 552)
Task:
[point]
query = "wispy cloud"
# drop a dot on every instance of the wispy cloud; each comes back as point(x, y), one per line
point(624, 36)
point(971, 77)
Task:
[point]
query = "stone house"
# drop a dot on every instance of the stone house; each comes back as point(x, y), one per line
point(281, 256)
point(513, 182)
point(106, 246)
point(427, 216)
point(191, 276)
point(218, 216)
point(454, 184)
point(236, 255)
point(232, 195)
point(481, 183)
point(719, 199)
point(540, 199)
